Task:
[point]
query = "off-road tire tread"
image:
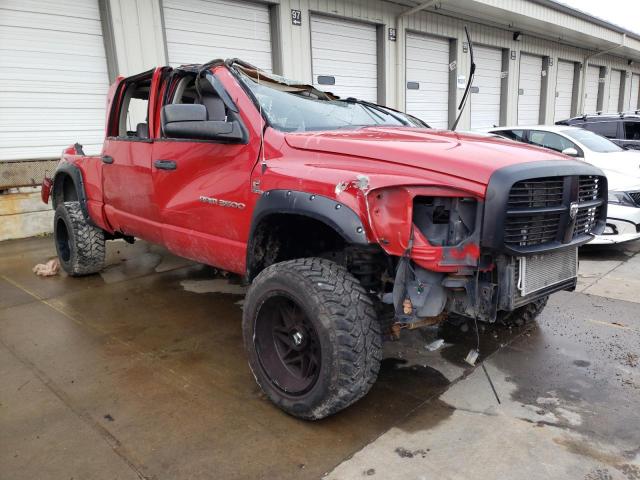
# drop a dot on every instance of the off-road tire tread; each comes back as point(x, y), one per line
point(88, 243)
point(526, 314)
point(355, 326)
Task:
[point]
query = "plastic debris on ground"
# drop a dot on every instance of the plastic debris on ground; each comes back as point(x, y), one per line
point(472, 356)
point(49, 269)
point(435, 345)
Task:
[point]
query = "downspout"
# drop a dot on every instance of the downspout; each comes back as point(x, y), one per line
point(585, 64)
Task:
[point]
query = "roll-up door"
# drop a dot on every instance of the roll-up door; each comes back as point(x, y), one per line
point(427, 76)
point(344, 57)
point(634, 92)
point(485, 94)
point(591, 89)
point(529, 87)
point(201, 30)
point(53, 78)
point(614, 91)
point(564, 91)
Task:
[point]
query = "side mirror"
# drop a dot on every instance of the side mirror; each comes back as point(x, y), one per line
point(189, 121)
point(572, 152)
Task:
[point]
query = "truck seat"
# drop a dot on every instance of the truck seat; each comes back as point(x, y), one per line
point(215, 107)
point(142, 130)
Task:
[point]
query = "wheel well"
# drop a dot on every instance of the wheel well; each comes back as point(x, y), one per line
point(280, 237)
point(64, 189)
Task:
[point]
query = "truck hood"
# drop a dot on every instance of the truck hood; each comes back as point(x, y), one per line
point(470, 156)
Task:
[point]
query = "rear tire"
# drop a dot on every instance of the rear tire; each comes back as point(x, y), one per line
point(312, 337)
point(80, 245)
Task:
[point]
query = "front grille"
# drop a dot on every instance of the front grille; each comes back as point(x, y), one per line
point(586, 220)
point(537, 192)
point(588, 188)
point(636, 197)
point(528, 230)
point(538, 210)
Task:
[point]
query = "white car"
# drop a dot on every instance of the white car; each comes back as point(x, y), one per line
point(622, 168)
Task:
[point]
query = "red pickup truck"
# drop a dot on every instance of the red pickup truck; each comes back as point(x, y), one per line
point(346, 217)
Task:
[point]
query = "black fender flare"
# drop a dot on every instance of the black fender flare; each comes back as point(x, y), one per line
point(342, 219)
point(73, 172)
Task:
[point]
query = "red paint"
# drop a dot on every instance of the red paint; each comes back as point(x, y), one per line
point(46, 189)
point(133, 197)
point(469, 250)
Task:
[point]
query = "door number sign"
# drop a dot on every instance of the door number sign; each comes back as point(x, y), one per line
point(296, 17)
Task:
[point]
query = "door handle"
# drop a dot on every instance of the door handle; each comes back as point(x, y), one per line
point(165, 164)
point(107, 159)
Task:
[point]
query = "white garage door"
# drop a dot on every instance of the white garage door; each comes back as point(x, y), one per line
point(485, 97)
point(344, 57)
point(53, 78)
point(564, 91)
point(591, 89)
point(427, 75)
point(529, 86)
point(634, 92)
point(201, 30)
point(614, 91)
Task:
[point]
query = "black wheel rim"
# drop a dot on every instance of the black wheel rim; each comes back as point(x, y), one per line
point(287, 345)
point(62, 241)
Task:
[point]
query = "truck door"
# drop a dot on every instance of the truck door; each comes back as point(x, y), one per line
point(126, 169)
point(202, 187)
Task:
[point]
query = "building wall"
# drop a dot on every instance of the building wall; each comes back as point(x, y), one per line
point(138, 28)
point(135, 41)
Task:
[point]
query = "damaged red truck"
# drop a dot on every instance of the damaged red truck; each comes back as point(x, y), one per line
point(347, 218)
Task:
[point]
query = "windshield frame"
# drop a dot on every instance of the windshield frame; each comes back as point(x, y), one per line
point(367, 108)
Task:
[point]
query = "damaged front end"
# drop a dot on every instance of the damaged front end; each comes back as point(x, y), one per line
point(434, 232)
point(475, 258)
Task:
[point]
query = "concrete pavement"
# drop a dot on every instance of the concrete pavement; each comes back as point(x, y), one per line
point(140, 373)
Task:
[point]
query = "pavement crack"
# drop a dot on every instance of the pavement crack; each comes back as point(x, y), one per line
point(600, 277)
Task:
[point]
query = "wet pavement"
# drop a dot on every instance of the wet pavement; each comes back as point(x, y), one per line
point(139, 372)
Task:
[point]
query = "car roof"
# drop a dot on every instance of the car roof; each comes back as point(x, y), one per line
point(605, 116)
point(548, 128)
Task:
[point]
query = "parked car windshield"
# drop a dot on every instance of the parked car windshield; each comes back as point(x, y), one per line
point(294, 112)
point(592, 141)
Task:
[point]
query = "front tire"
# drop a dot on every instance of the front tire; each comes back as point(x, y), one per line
point(312, 337)
point(80, 245)
point(524, 315)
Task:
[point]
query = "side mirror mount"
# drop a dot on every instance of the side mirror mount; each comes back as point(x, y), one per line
point(189, 121)
point(572, 152)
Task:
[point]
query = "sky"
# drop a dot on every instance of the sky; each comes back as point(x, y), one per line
point(624, 13)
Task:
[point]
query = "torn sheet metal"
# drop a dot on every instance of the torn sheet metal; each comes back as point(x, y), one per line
point(361, 183)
